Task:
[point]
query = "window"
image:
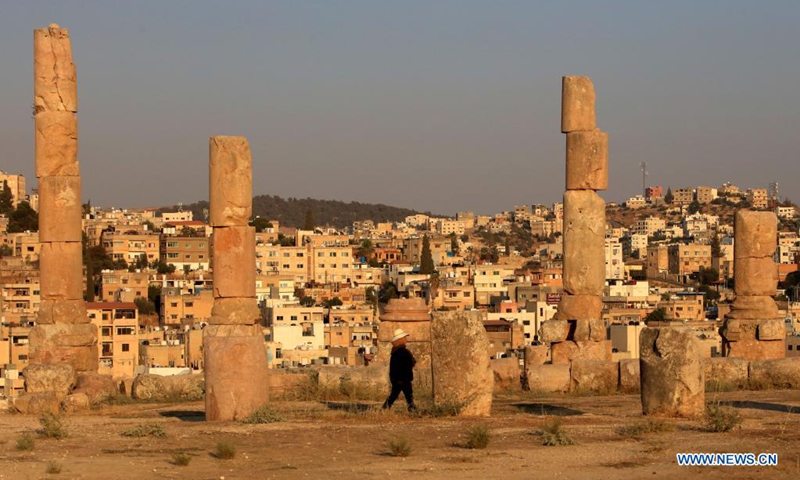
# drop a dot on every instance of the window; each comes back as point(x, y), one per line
point(190, 304)
point(126, 347)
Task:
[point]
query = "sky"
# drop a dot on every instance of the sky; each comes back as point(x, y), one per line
point(434, 105)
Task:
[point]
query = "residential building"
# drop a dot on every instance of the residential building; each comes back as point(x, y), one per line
point(651, 193)
point(186, 253)
point(757, 198)
point(123, 286)
point(649, 226)
point(129, 247)
point(683, 196)
point(615, 267)
point(706, 194)
point(118, 336)
point(687, 259)
point(181, 307)
point(16, 183)
point(657, 261)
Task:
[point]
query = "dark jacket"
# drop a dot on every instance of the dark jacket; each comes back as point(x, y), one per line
point(401, 365)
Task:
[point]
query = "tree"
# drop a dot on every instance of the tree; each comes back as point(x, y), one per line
point(694, 207)
point(149, 225)
point(657, 315)
point(145, 306)
point(365, 249)
point(388, 292)
point(333, 302)
point(453, 243)
point(261, 224)
point(707, 276)
point(23, 219)
point(309, 223)
point(139, 264)
point(6, 251)
point(6, 200)
point(669, 197)
point(426, 266)
point(307, 301)
point(371, 297)
point(716, 248)
point(154, 295)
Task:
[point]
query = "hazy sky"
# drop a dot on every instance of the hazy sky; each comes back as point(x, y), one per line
point(433, 105)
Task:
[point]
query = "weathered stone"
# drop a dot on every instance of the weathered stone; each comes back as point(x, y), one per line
point(167, 388)
point(83, 358)
point(63, 343)
point(778, 373)
point(62, 311)
point(629, 375)
point(725, 372)
point(460, 364)
point(234, 311)
point(54, 79)
point(234, 330)
point(406, 310)
point(535, 355)
point(736, 330)
point(771, 329)
point(418, 331)
point(233, 262)
point(149, 387)
point(673, 380)
point(60, 209)
point(76, 402)
point(549, 378)
point(56, 144)
point(97, 388)
point(577, 104)
point(592, 376)
point(753, 308)
point(231, 182)
point(566, 352)
point(755, 234)
point(593, 329)
point(236, 376)
point(756, 277)
point(584, 243)
point(61, 273)
point(506, 373)
point(38, 403)
point(756, 350)
point(587, 160)
point(580, 307)
point(553, 330)
point(56, 378)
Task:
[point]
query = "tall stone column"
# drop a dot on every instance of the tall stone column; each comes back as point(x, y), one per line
point(234, 351)
point(577, 331)
point(754, 329)
point(63, 342)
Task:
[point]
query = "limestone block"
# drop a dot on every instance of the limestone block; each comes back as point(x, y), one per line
point(406, 310)
point(577, 104)
point(584, 243)
point(755, 234)
point(724, 372)
point(418, 331)
point(56, 378)
point(553, 330)
point(56, 144)
point(593, 376)
point(60, 209)
point(629, 375)
point(757, 350)
point(549, 378)
point(755, 277)
point(38, 403)
point(158, 388)
point(62, 311)
point(580, 307)
point(54, 79)
point(736, 330)
point(236, 377)
point(76, 402)
point(97, 388)
point(460, 364)
point(778, 373)
point(771, 329)
point(593, 329)
point(587, 160)
point(569, 351)
point(535, 355)
point(83, 358)
point(506, 372)
point(61, 271)
point(231, 182)
point(234, 311)
point(64, 343)
point(233, 262)
point(233, 330)
point(753, 308)
point(672, 371)
point(149, 387)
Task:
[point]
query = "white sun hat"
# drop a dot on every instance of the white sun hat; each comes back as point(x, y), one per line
point(398, 334)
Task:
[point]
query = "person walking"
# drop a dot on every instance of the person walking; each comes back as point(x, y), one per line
point(401, 371)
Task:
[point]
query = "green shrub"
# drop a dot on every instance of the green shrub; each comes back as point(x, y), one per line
point(53, 426)
point(553, 434)
point(478, 436)
point(399, 447)
point(651, 425)
point(721, 418)
point(146, 430)
point(25, 442)
point(225, 450)
point(53, 467)
point(181, 459)
point(264, 414)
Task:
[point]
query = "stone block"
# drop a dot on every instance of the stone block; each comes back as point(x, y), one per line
point(777, 373)
point(234, 311)
point(464, 377)
point(756, 349)
point(592, 376)
point(63, 343)
point(61, 271)
point(553, 330)
point(584, 243)
point(753, 308)
point(736, 330)
point(406, 310)
point(771, 329)
point(231, 182)
point(587, 160)
point(755, 234)
point(577, 104)
point(418, 331)
point(535, 355)
point(76, 402)
point(62, 312)
point(672, 371)
point(507, 372)
point(755, 277)
point(56, 144)
point(236, 377)
point(580, 307)
point(233, 262)
point(60, 209)
point(725, 372)
point(223, 330)
point(629, 375)
point(54, 79)
point(549, 378)
point(97, 388)
point(569, 351)
point(56, 378)
point(83, 358)
point(38, 403)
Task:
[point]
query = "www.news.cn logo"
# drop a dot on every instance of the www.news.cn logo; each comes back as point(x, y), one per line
point(728, 459)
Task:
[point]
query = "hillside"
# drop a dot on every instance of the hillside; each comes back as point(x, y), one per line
point(291, 212)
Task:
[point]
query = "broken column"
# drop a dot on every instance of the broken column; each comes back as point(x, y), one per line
point(63, 342)
point(413, 317)
point(235, 354)
point(754, 329)
point(577, 331)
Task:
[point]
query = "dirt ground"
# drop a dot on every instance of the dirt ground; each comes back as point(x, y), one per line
point(339, 440)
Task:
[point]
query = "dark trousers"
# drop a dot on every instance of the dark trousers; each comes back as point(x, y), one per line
point(408, 392)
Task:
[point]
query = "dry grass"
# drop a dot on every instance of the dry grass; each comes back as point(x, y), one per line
point(264, 414)
point(225, 450)
point(721, 418)
point(651, 425)
point(553, 434)
point(146, 430)
point(478, 437)
point(53, 467)
point(399, 446)
point(181, 459)
point(53, 426)
point(25, 442)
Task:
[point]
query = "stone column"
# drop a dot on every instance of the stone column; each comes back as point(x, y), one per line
point(754, 329)
point(577, 331)
point(672, 372)
point(234, 351)
point(410, 314)
point(63, 342)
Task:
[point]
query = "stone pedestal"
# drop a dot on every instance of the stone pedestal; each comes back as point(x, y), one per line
point(672, 372)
